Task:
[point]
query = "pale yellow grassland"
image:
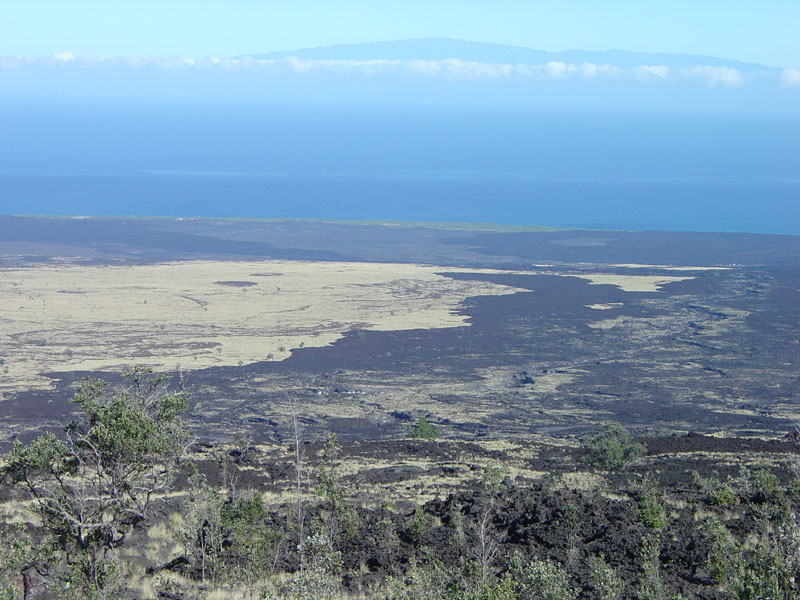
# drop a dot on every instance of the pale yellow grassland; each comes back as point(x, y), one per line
point(582, 480)
point(632, 283)
point(76, 317)
point(188, 315)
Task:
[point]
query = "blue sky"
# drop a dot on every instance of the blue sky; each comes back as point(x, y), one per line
point(749, 30)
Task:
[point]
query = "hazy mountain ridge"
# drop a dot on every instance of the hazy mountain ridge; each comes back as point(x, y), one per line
point(418, 72)
point(448, 48)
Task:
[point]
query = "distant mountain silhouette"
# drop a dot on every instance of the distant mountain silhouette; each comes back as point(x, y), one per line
point(444, 48)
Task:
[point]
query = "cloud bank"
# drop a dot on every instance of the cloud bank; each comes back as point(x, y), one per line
point(448, 69)
point(790, 77)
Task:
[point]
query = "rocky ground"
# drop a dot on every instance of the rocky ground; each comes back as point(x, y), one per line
point(702, 370)
point(418, 503)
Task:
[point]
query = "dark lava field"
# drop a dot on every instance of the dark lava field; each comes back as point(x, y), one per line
point(703, 372)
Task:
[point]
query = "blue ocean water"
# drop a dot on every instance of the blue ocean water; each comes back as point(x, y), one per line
point(698, 172)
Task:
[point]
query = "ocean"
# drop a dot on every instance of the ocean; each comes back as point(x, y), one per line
point(603, 170)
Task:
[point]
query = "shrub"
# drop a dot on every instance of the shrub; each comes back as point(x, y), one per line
point(493, 477)
point(505, 589)
point(650, 506)
point(385, 534)
point(723, 551)
point(651, 586)
point(716, 493)
point(92, 487)
point(607, 583)
point(722, 495)
point(764, 485)
point(429, 581)
point(342, 518)
point(456, 525)
point(320, 579)
point(612, 448)
point(421, 524)
point(770, 570)
point(229, 540)
point(760, 577)
point(424, 430)
point(545, 580)
point(252, 547)
point(16, 552)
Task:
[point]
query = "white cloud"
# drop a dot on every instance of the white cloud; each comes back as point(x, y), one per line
point(651, 72)
point(790, 77)
point(592, 71)
point(64, 56)
point(298, 65)
point(559, 70)
point(714, 76)
point(455, 69)
point(448, 70)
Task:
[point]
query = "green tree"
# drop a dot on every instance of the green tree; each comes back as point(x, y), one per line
point(545, 580)
point(423, 430)
point(606, 582)
point(229, 540)
point(612, 448)
point(100, 479)
point(650, 504)
point(16, 553)
point(341, 518)
point(723, 550)
point(421, 524)
point(321, 577)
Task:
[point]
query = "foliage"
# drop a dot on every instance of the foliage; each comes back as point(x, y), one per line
point(342, 518)
point(434, 581)
point(17, 553)
point(771, 570)
point(651, 586)
point(760, 484)
point(421, 524)
point(761, 577)
point(252, 546)
point(723, 550)
point(650, 505)
point(13, 557)
point(202, 534)
point(607, 583)
point(545, 580)
point(493, 477)
point(571, 522)
point(385, 534)
point(422, 429)
point(505, 589)
point(320, 578)
point(612, 448)
point(716, 493)
point(456, 525)
point(229, 540)
point(92, 486)
point(722, 495)
point(428, 581)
